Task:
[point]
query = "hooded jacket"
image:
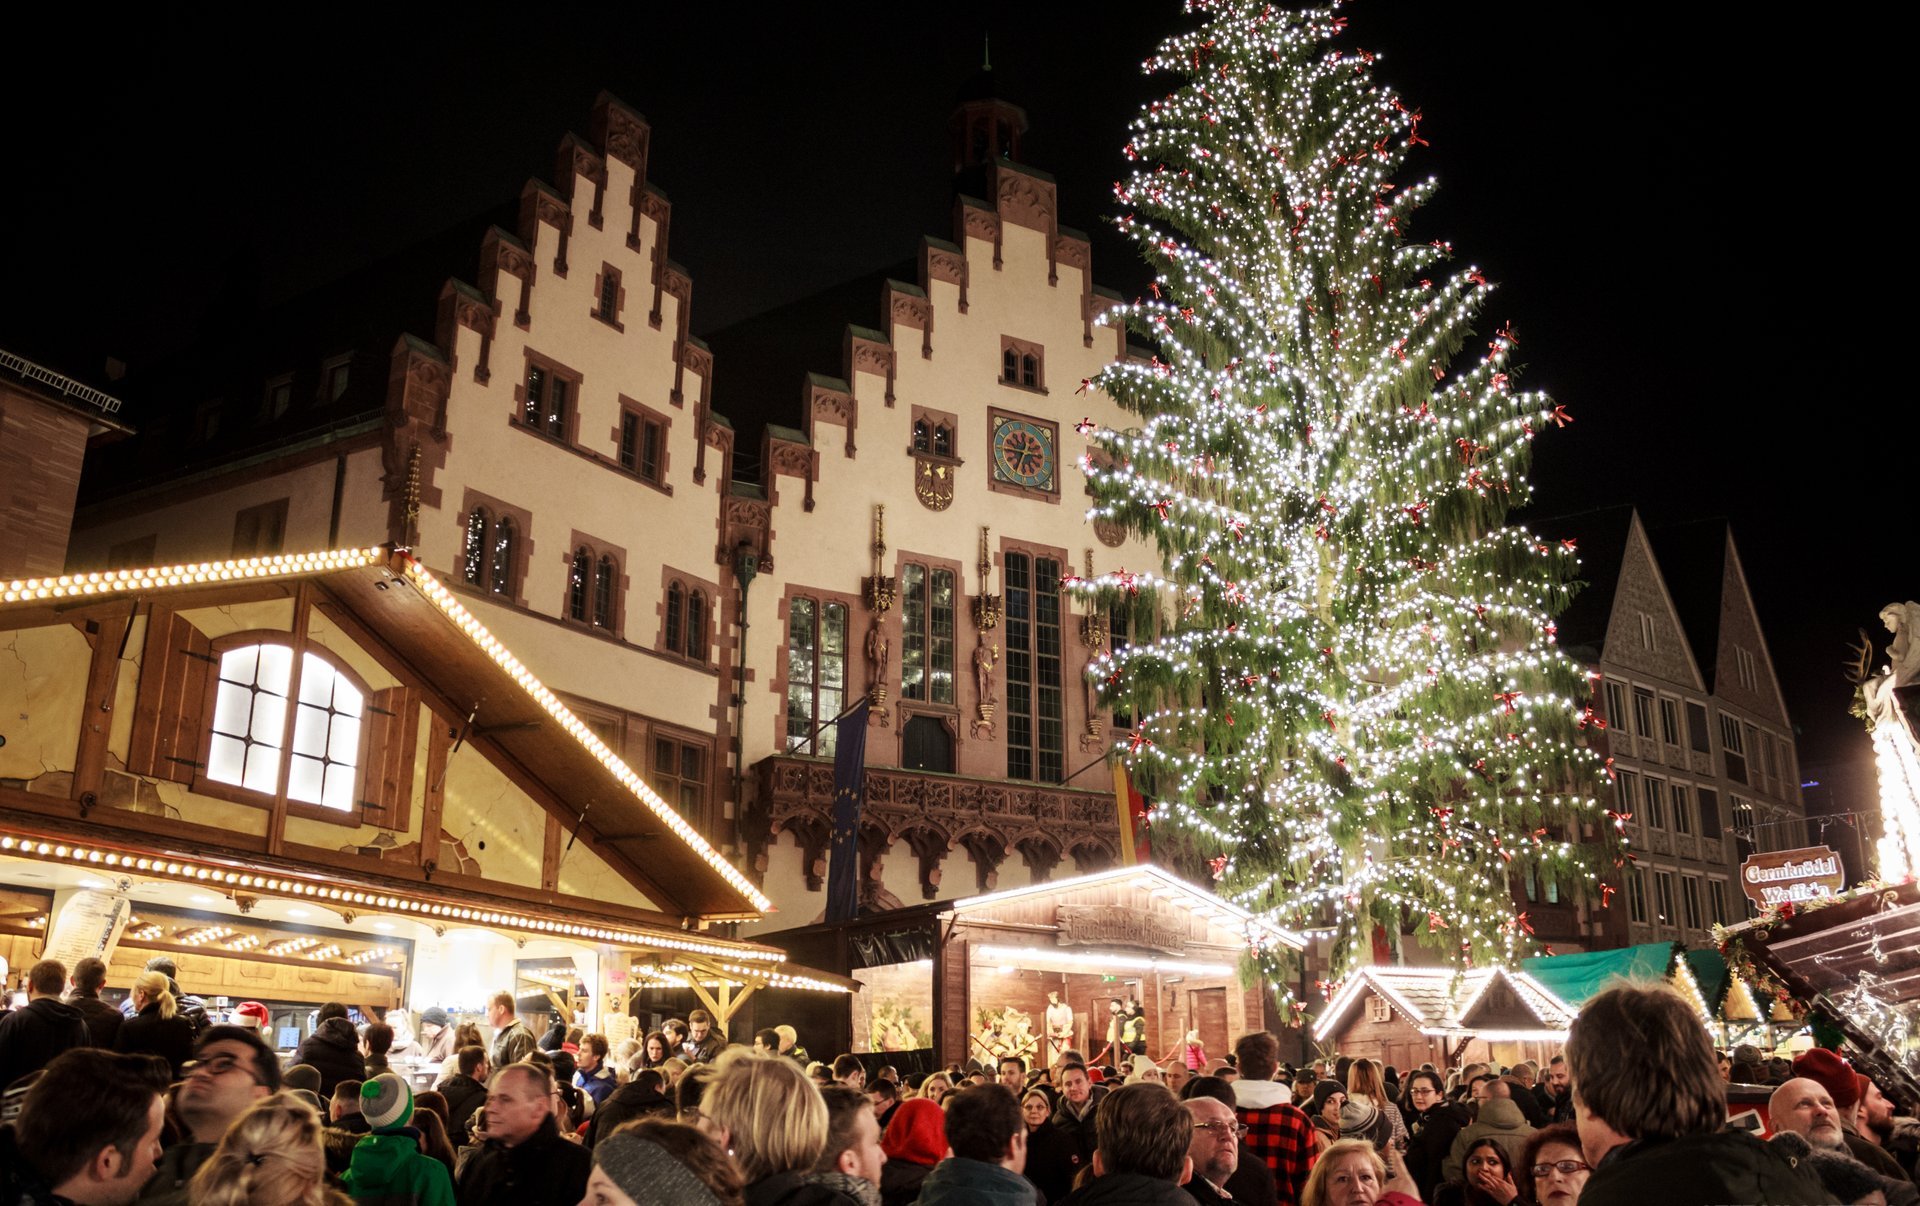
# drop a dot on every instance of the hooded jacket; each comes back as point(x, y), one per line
point(334, 1051)
point(1724, 1166)
point(958, 1181)
point(1500, 1120)
point(388, 1169)
point(31, 1036)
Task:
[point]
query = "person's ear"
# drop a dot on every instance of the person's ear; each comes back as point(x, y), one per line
point(847, 1163)
point(1186, 1170)
point(108, 1163)
point(1099, 1163)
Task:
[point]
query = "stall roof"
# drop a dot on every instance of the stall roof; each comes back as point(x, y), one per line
point(1161, 882)
point(385, 597)
point(1491, 1002)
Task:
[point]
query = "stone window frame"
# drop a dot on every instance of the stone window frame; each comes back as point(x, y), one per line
point(570, 436)
point(936, 419)
point(1027, 370)
point(609, 274)
point(324, 394)
point(644, 415)
point(820, 745)
point(596, 550)
point(930, 563)
point(691, 587)
point(496, 509)
point(1069, 671)
point(994, 416)
point(234, 793)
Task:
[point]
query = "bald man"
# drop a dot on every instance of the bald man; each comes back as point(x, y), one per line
point(1805, 1107)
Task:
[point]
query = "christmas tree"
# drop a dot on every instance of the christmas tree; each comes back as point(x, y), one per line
point(1348, 700)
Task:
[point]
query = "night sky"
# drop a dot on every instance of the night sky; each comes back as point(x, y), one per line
point(1683, 214)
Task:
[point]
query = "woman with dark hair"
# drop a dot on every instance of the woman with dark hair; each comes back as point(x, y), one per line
point(1049, 1159)
point(1556, 1164)
point(1433, 1122)
point(653, 1052)
point(1490, 1180)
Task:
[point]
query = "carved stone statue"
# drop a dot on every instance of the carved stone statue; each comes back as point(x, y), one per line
point(877, 653)
point(985, 658)
point(1903, 654)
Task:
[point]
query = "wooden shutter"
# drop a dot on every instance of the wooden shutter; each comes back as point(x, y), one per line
point(170, 713)
point(386, 782)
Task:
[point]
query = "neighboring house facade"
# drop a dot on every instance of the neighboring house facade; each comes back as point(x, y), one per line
point(1699, 746)
point(48, 420)
point(546, 442)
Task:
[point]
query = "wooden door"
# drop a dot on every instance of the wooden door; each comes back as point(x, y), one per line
point(1208, 1009)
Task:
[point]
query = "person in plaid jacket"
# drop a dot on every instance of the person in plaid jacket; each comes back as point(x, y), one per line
point(1278, 1131)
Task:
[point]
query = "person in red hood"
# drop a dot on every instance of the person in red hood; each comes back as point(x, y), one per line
point(915, 1141)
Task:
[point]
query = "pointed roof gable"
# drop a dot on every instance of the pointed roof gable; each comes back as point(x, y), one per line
point(1601, 543)
point(1160, 882)
point(1486, 1000)
point(1693, 557)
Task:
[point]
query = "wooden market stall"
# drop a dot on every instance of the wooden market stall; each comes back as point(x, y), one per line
point(1407, 1016)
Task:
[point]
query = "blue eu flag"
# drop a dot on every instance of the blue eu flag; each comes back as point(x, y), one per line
point(849, 793)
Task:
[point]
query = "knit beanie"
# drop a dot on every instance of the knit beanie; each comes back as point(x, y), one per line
point(1832, 1074)
point(1323, 1090)
point(386, 1102)
point(917, 1133)
point(302, 1076)
point(433, 1014)
point(1357, 1118)
point(649, 1173)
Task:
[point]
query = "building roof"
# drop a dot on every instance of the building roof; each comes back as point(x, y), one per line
point(1693, 559)
point(1490, 1002)
point(395, 606)
point(1160, 882)
point(1600, 538)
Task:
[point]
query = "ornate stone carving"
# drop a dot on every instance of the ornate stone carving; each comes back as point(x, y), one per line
point(1072, 252)
point(872, 357)
point(880, 593)
point(719, 436)
point(551, 210)
point(826, 403)
point(790, 458)
point(1026, 201)
point(626, 137)
point(933, 482)
point(587, 163)
point(475, 316)
point(677, 283)
point(513, 261)
point(948, 266)
point(1109, 533)
point(912, 311)
point(981, 224)
point(654, 204)
point(987, 611)
point(696, 359)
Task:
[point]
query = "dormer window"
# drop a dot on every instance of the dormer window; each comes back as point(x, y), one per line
point(253, 746)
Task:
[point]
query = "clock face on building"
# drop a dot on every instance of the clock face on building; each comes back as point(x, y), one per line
point(1023, 454)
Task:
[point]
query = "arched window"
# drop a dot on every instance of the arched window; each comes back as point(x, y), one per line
point(257, 685)
point(696, 646)
point(500, 577)
point(579, 584)
point(922, 436)
point(474, 558)
point(603, 594)
point(676, 614)
point(1030, 370)
point(1010, 366)
point(943, 440)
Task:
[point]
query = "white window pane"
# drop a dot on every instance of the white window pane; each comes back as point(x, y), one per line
point(226, 759)
point(238, 665)
point(339, 789)
point(263, 769)
point(316, 681)
point(303, 779)
point(233, 710)
point(269, 719)
point(276, 668)
point(347, 699)
point(310, 731)
point(343, 746)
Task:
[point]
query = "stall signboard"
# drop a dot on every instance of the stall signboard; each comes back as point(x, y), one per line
point(1792, 876)
point(1114, 925)
point(86, 924)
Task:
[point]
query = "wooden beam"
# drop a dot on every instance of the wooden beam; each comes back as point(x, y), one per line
point(96, 715)
point(433, 803)
point(733, 1006)
point(550, 854)
point(277, 815)
point(700, 991)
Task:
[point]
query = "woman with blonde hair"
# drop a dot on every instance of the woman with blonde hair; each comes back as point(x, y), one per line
point(157, 1026)
point(1365, 1079)
point(270, 1156)
point(1349, 1172)
point(773, 1121)
point(936, 1086)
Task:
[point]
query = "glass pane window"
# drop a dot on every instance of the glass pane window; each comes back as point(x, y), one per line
point(254, 691)
point(473, 563)
point(696, 645)
point(1682, 808)
point(609, 296)
point(629, 440)
point(1637, 896)
point(500, 576)
point(927, 643)
point(1670, 721)
point(1656, 809)
point(1697, 727)
point(676, 615)
point(680, 776)
point(1663, 896)
point(816, 674)
point(1690, 897)
point(1717, 902)
point(1643, 712)
point(603, 593)
point(1035, 699)
point(1617, 705)
point(1626, 794)
point(579, 581)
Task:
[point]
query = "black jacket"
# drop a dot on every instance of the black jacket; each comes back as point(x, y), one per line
point(545, 1170)
point(900, 1182)
point(1429, 1138)
point(36, 1032)
point(1076, 1134)
point(1726, 1166)
point(1252, 1183)
point(1050, 1163)
point(103, 1020)
point(1128, 1189)
point(334, 1051)
point(147, 1033)
point(626, 1103)
point(465, 1096)
point(790, 1189)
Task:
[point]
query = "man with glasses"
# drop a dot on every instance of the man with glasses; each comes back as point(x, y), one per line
point(231, 1069)
point(1215, 1149)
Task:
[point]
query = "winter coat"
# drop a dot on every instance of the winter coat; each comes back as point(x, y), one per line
point(1049, 1162)
point(626, 1103)
point(21, 1184)
point(792, 1189)
point(511, 1045)
point(1252, 1183)
point(1128, 1189)
point(957, 1181)
point(103, 1020)
point(598, 1084)
point(705, 1051)
point(147, 1033)
point(1076, 1134)
point(1724, 1166)
point(334, 1051)
point(168, 1186)
point(388, 1169)
point(543, 1170)
point(32, 1035)
point(1500, 1120)
point(901, 1181)
point(1430, 1138)
point(465, 1096)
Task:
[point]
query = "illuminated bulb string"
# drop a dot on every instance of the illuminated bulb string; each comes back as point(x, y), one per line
point(1346, 689)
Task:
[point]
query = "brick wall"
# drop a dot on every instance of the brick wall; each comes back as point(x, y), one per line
point(41, 448)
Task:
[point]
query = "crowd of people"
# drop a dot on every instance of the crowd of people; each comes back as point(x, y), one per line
point(1635, 1110)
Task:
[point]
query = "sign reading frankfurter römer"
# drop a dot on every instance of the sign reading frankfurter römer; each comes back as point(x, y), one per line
point(1792, 876)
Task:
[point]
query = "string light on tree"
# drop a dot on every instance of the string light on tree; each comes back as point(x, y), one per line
point(1352, 708)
